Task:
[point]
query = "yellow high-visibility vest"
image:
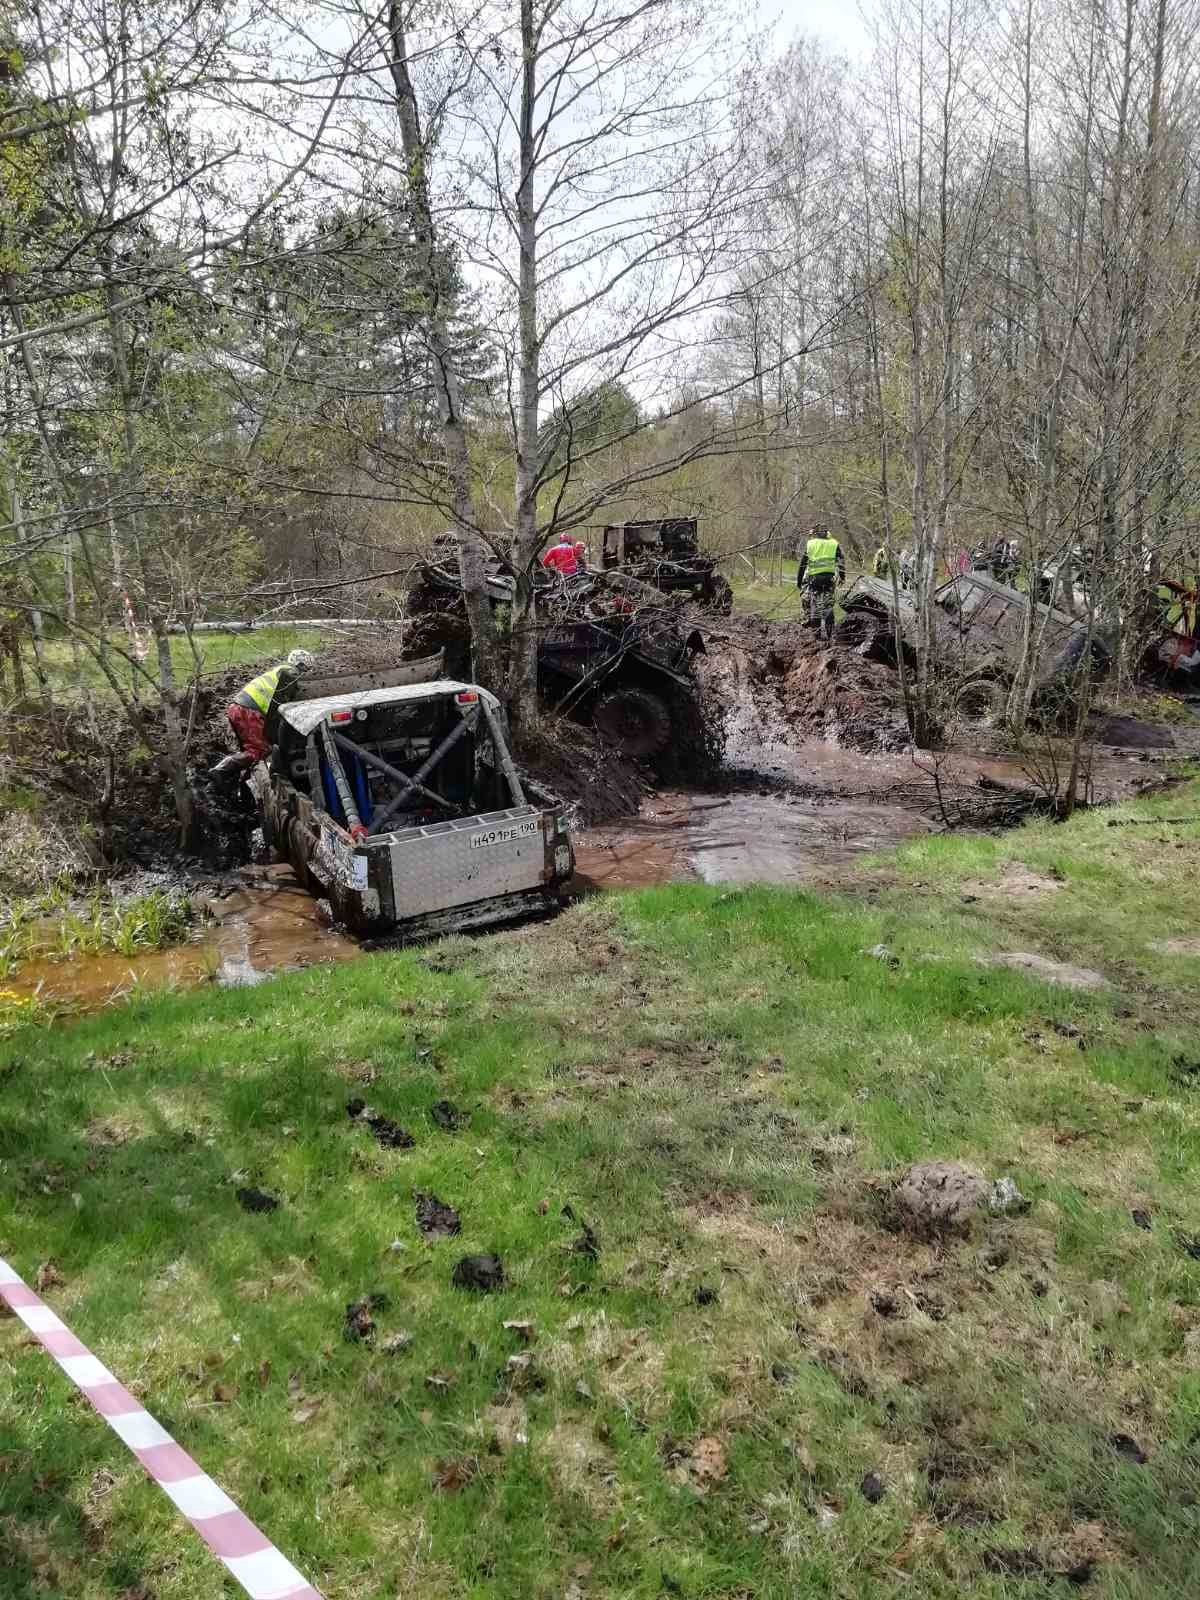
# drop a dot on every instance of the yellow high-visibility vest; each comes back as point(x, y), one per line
point(260, 691)
point(822, 557)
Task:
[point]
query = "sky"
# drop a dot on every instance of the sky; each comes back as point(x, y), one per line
point(837, 22)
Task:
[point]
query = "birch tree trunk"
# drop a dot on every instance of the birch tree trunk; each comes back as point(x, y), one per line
point(523, 654)
point(446, 382)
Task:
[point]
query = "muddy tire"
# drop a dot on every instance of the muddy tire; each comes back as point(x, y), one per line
point(274, 849)
point(634, 721)
point(857, 631)
point(981, 703)
point(868, 634)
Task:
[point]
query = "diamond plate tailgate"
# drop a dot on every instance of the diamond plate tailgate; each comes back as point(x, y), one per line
point(475, 858)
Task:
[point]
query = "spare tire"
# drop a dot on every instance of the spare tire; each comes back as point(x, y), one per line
point(981, 703)
point(635, 721)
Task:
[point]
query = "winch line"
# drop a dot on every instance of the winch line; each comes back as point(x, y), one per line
point(264, 1572)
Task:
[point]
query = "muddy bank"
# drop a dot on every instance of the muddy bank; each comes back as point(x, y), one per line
point(595, 781)
point(775, 687)
point(822, 720)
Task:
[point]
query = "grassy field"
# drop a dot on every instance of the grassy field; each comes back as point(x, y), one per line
point(777, 600)
point(217, 650)
point(780, 602)
point(738, 1379)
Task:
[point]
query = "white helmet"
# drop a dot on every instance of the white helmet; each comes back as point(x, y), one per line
point(301, 661)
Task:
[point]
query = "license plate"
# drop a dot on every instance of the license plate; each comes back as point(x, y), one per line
point(519, 830)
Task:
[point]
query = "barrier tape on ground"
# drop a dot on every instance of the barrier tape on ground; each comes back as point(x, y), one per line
point(263, 1572)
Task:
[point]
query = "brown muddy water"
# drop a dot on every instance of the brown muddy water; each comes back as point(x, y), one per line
point(737, 838)
point(815, 810)
point(246, 934)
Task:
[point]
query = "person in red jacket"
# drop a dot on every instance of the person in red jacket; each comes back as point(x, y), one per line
point(561, 557)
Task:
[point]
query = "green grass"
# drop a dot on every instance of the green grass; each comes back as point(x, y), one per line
point(723, 1084)
point(216, 651)
point(780, 601)
point(62, 924)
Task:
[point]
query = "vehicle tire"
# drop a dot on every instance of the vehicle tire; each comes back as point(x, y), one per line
point(981, 703)
point(635, 721)
point(857, 631)
point(868, 634)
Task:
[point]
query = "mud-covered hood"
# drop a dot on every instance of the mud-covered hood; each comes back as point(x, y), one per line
point(305, 715)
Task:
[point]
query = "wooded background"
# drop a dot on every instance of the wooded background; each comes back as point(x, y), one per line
point(286, 291)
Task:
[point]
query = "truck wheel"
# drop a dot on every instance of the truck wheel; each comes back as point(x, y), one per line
point(857, 631)
point(635, 721)
point(981, 703)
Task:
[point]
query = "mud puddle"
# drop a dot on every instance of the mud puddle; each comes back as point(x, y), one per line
point(247, 933)
point(744, 837)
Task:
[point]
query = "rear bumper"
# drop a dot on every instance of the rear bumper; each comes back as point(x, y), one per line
point(469, 919)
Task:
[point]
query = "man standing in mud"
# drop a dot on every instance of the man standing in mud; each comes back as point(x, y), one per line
point(822, 567)
point(250, 707)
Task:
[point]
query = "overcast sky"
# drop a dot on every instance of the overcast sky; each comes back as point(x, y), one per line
point(837, 22)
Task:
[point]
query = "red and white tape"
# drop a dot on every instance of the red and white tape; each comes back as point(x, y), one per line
point(262, 1570)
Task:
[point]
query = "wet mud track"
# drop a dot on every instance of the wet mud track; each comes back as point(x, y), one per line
point(802, 810)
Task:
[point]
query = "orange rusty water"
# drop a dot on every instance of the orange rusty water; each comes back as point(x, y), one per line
point(271, 925)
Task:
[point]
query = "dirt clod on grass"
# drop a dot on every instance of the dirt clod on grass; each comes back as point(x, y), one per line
point(588, 1242)
point(48, 1277)
point(1062, 973)
point(872, 1488)
point(386, 1132)
point(483, 1272)
point(447, 1116)
point(359, 1326)
point(451, 1476)
point(939, 1196)
point(435, 1218)
point(701, 1464)
point(1127, 1447)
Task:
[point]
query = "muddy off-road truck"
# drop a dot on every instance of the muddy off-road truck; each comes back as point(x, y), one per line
point(665, 553)
point(627, 672)
point(611, 651)
point(397, 799)
point(979, 628)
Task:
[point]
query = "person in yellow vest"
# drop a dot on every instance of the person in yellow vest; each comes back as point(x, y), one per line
point(822, 567)
point(249, 708)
